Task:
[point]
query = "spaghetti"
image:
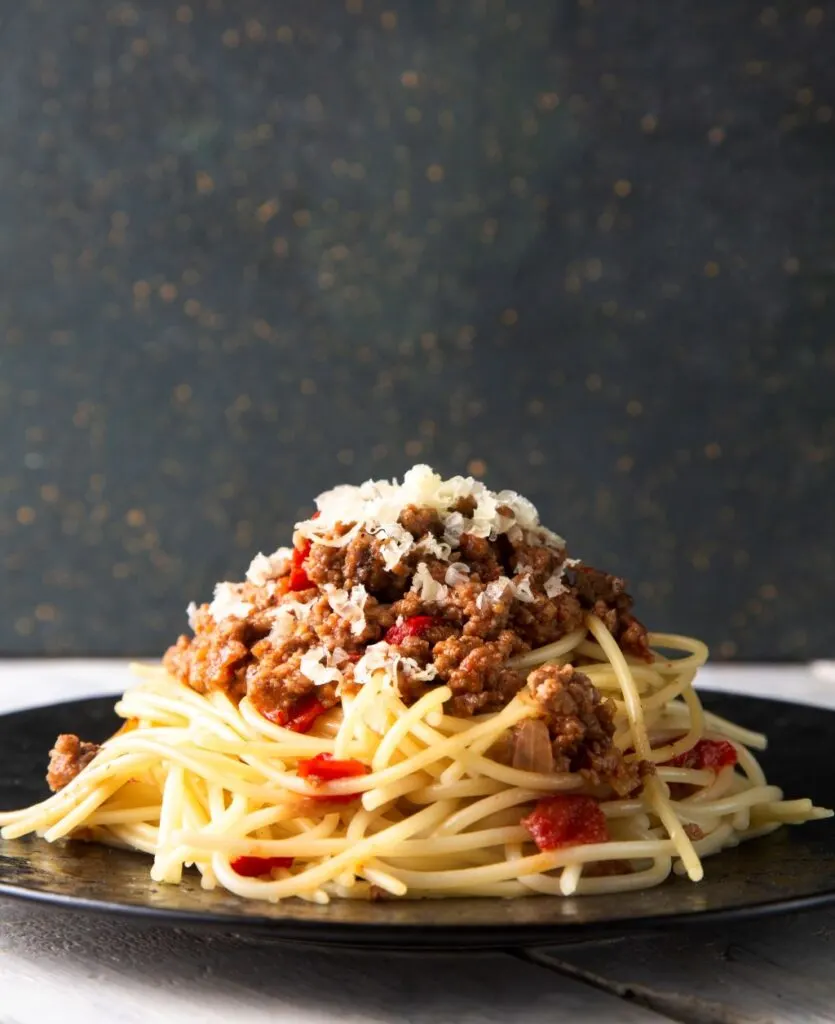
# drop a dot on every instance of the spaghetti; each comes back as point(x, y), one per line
point(436, 750)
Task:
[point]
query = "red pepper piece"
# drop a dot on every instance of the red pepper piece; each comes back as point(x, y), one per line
point(299, 579)
point(326, 768)
point(300, 717)
point(253, 867)
point(417, 625)
point(566, 819)
point(713, 754)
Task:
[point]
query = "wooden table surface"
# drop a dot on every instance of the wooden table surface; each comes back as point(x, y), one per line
point(70, 967)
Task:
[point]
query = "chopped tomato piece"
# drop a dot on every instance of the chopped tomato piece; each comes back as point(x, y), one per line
point(566, 819)
point(299, 579)
point(713, 754)
point(300, 717)
point(305, 713)
point(252, 867)
point(417, 625)
point(326, 768)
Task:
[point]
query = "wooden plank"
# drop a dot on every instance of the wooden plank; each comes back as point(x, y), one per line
point(81, 968)
point(774, 969)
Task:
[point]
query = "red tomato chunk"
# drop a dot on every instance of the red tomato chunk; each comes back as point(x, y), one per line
point(326, 768)
point(300, 717)
point(713, 754)
point(566, 819)
point(417, 625)
point(254, 867)
point(299, 579)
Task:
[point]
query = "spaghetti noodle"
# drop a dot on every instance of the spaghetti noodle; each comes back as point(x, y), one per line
point(410, 738)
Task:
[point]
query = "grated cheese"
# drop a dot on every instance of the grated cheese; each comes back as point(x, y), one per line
point(376, 506)
point(191, 612)
point(425, 585)
point(458, 572)
point(268, 567)
point(228, 604)
point(285, 618)
point(314, 666)
point(383, 656)
point(350, 607)
point(430, 545)
point(493, 593)
point(555, 585)
point(522, 590)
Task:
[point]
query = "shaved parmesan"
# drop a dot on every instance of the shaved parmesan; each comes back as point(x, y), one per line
point(376, 506)
point(382, 656)
point(285, 617)
point(427, 587)
point(494, 593)
point(458, 572)
point(268, 567)
point(191, 612)
point(522, 590)
point(555, 585)
point(228, 604)
point(350, 607)
point(430, 545)
point(314, 666)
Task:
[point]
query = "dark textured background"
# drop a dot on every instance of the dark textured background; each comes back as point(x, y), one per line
point(250, 249)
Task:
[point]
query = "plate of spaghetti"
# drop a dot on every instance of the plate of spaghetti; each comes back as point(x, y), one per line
point(424, 716)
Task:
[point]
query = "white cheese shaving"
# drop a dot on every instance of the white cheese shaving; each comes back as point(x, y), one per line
point(543, 537)
point(191, 612)
point(397, 544)
point(350, 607)
point(383, 656)
point(427, 587)
point(228, 604)
point(285, 618)
point(314, 666)
point(414, 671)
point(339, 656)
point(458, 572)
point(430, 545)
point(493, 593)
point(522, 590)
point(376, 506)
point(454, 526)
point(555, 585)
point(267, 567)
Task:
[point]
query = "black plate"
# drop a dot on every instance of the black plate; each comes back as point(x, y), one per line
point(792, 869)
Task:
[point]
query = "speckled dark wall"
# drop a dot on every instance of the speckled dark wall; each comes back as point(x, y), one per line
point(251, 249)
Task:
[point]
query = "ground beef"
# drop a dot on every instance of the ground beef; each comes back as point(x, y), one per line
point(274, 682)
point(606, 596)
point(67, 758)
point(581, 724)
point(468, 636)
point(476, 672)
point(420, 521)
point(325, 564)
point(545, 620)
point(482, 556)
point(466, 506)
point(540, 562)
point(217, 655)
